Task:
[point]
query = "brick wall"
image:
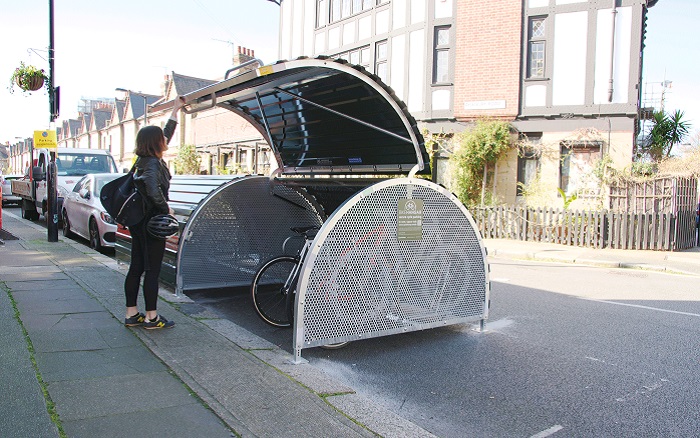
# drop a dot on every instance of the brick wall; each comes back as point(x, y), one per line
point(487, 62)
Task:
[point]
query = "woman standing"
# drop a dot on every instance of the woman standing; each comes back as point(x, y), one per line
point(152, 179)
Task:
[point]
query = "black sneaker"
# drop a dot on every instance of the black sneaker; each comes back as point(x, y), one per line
point(135, 320)
point(159, 323)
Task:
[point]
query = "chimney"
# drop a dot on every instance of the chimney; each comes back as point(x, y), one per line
point(164, 86)
point(243, 55)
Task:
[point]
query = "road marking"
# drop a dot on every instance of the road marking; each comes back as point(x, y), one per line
point(639, 306)
point(551, 431)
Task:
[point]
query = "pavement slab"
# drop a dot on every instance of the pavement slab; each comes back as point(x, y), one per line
point(120, 394)
point(22, 403)
point(74, 365)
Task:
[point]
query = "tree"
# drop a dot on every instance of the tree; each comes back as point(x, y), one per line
point(666, 131)
point(476, 149)
point(188, 161)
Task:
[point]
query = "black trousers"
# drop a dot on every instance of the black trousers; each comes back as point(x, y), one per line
point(146, 257)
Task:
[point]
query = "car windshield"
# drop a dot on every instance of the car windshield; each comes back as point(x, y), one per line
point(68, 164)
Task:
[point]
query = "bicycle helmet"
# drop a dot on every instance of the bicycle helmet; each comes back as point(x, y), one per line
point(162, 226)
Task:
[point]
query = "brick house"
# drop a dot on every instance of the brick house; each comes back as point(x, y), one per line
point(565, 73)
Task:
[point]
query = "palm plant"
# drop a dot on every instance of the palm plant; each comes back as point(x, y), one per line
point(666, 131)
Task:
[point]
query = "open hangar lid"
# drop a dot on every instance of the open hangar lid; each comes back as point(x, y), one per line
point(322, 116)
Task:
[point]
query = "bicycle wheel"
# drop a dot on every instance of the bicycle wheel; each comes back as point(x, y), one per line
point(336, 346)
point(270, 288)
point(290, 301)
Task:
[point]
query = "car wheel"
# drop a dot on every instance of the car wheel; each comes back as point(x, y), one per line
point(29, 211)
point(66, 225)
point(95, 236)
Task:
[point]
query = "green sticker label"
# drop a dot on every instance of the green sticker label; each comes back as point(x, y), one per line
point(409, 224)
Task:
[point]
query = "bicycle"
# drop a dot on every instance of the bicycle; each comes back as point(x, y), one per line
point(273, 289)
point(274, 283)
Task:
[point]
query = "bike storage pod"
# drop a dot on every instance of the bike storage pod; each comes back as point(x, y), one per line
point(394, 252)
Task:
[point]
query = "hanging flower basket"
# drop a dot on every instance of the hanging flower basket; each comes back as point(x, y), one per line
point(28, 78)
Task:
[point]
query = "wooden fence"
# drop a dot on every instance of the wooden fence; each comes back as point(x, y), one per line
point(592, 229)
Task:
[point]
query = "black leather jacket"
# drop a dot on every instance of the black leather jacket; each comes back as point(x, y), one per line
point(152, 178)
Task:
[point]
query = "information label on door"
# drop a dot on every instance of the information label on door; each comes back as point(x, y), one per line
point(409, 224)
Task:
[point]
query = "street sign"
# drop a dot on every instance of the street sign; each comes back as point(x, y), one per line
point(45, 139)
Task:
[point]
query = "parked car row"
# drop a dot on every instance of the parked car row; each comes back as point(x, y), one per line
point(7, 196)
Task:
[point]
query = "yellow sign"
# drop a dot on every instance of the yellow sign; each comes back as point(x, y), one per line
point(265, 70)
point(45, 139)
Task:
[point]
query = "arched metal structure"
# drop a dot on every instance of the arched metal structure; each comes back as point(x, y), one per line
point(401, 255)
point(394, 255)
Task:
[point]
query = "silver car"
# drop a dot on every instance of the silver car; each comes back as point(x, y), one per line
point(84, 215)
point(7, 196)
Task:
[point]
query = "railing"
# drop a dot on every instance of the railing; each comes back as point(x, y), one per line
point(592, 229)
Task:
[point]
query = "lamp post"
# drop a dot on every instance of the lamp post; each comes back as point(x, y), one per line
point(51, 179)
point(145, 103)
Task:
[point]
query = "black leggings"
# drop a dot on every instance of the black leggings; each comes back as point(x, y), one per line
point(146, 256)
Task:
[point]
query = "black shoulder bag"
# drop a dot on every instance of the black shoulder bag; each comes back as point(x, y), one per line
point(123, 201)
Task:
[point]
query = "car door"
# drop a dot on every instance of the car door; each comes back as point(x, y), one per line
point(80, 219)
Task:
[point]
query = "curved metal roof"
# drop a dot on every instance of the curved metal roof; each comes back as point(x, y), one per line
point(322, 116)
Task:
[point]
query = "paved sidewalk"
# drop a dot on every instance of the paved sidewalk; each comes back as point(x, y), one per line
point(61, 314)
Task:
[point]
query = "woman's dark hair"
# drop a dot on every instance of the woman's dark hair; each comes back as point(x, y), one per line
point(149, 141)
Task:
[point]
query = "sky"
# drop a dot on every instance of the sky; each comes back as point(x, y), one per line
point(102, 45)
point(672, 53)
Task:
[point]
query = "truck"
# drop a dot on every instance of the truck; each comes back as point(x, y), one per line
point(71, 165)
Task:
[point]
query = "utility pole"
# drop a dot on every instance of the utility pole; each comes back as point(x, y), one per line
point(51, 194)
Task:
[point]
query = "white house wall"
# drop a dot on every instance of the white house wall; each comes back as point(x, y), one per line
point(416, 70)
point(569, 76)
point(621, 65)
point(406, 25)
point(396, 60)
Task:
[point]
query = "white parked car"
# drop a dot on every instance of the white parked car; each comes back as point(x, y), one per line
point(7, 196)
point(84, 215)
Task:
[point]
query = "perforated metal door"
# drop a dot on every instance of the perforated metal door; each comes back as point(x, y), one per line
point(364, 278)
point(238, 227)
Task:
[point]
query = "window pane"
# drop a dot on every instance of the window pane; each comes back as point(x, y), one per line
point(364, 56)
point(381, 52)
point(335, 10)
point(347, 8)
point(441, 66)
point(537, 28)
point(381, 71)
point(356, 6)
point(355, 57)
point(443, 37)
point(321, 14)
point(366, 4)
point(536, 59)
